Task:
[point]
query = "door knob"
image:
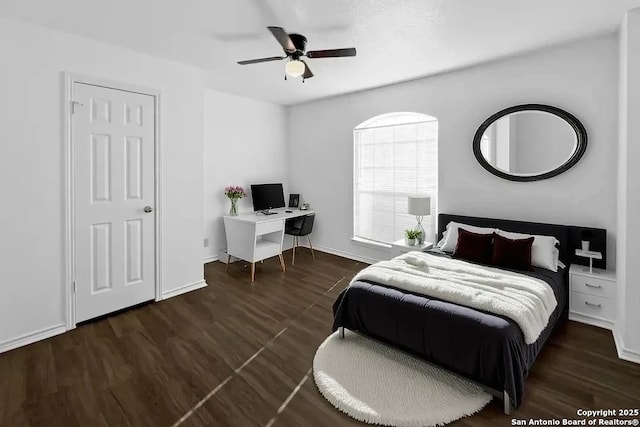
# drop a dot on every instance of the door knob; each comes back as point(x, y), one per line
point(148, 209)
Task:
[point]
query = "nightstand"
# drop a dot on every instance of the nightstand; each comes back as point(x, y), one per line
point(592, 296)
point(399, 247)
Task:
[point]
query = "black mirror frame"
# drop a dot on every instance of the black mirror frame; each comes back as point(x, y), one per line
point(576, 125)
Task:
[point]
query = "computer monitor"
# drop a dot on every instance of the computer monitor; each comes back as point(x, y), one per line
point(267, 196)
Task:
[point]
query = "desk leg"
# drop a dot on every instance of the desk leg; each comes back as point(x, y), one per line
point(228, 261)
point(253, 271)
point(282, 262)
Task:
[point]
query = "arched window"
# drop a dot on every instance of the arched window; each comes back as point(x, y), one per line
point(395, 156)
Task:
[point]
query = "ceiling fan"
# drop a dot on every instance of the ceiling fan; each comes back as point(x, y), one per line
point(294, 46)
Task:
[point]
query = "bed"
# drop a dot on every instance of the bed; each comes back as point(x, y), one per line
point(486, 348)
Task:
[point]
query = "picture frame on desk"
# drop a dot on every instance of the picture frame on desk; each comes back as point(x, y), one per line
point(294, 200)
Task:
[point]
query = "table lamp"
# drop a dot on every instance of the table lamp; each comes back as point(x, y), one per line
point(419, 206)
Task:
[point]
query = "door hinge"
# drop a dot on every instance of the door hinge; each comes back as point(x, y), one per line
point(74, 104)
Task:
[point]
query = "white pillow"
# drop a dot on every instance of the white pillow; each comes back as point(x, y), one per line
point(544, 253)
point(450, 236)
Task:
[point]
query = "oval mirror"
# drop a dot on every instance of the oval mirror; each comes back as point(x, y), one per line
point(529, 142)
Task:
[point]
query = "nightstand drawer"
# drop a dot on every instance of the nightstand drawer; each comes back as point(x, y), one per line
point(593, 286)
point(593, 306)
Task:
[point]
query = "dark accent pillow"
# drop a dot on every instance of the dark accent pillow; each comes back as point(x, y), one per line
point(473, 246)
point(512, 253)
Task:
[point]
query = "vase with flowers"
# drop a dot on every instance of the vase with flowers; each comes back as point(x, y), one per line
point(234, 193)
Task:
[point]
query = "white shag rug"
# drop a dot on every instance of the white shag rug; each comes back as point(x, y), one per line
point(378, 384)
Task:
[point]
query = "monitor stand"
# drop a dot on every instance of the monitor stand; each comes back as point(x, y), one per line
point(268, 212)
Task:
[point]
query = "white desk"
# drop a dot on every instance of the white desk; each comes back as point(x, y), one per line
point(255, 237)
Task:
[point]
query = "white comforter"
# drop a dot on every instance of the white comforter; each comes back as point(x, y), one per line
point(527, 301)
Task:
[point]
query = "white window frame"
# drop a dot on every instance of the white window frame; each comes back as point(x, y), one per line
point(385, 121)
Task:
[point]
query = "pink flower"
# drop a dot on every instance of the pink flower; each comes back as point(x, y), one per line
point(235, 192)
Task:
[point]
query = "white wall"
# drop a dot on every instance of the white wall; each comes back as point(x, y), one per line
point(627, 328)
point(244, 143)
point(580, 78)
point(31, 166)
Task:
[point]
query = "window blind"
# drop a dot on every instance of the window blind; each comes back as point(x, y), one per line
point(394, 157)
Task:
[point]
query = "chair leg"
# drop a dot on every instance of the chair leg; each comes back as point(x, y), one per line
point(295, 242)
point(282, 262)
point(253, 272)
point(228, 261)
point(311, 247)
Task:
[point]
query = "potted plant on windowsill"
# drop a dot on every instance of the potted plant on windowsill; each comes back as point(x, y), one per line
point(410, 236)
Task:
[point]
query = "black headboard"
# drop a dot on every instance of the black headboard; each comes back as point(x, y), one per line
point(568, 235)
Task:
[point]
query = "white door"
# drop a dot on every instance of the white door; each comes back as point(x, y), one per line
point(114, 199)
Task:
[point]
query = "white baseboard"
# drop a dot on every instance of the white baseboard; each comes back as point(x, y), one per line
point(624, 353)
point(59, 329)
point(285, 247)
point(345, 254)
point(577, 317)
point(32, 337)
point(211, 258)
point(184, 289)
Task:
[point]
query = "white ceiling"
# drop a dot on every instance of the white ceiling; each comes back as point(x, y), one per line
point(397, 40)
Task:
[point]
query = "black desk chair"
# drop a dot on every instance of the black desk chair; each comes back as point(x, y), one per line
point(300, 227)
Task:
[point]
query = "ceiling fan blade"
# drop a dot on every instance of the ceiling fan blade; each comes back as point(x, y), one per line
point(331, 53)
point(307, 71)
point(256, 61)
point(283, 38)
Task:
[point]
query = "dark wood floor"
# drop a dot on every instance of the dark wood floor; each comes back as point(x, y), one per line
point(234, 354)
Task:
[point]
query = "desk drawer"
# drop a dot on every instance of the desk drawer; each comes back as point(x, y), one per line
point(593, 286)
point(268, 227)
point(592, 306)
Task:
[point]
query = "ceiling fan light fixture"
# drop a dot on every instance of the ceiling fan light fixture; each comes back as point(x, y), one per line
point(295, 68)
point(295, 47)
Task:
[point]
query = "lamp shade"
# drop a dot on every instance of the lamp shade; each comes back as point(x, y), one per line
point(419, 205)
